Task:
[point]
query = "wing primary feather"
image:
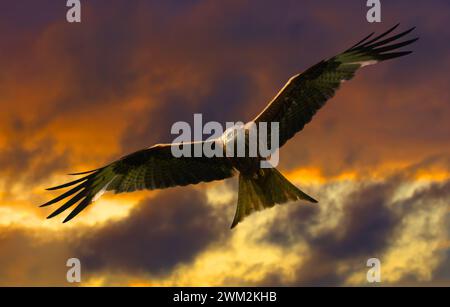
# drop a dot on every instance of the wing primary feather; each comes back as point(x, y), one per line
point(395, 46)
point(390, 39)
point(84, 173)
point(65, 195)
point(393, 55)
point(361, 41)
point(380, 36)
point(78, 209)
point(68, 184)
point(68, 204)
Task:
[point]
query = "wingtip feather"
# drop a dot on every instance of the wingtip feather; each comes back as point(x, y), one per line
point(77, 210)
point(84, 173)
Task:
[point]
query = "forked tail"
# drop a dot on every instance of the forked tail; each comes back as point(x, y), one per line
point(264, 190)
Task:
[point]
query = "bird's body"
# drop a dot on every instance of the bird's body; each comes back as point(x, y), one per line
point(247, 164)
point(259, 188)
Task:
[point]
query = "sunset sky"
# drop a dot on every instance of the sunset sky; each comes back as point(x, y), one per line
point(75, 96)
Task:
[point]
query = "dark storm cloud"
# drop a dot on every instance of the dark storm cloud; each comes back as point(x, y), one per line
point(28, 260)
point(368, 223)
point(139, 49)
point(367, 227)
point(69, 69)
point(441, 191)
point(98, 54)
point(29, 15)
point(29, 162)
point(441, 273)
point(284, 44)
point(32, 165)
point(228, 89)
point(164, 231)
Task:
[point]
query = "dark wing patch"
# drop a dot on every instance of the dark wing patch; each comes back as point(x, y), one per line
point(157, 168)
point(152, 168)
point(306, 93)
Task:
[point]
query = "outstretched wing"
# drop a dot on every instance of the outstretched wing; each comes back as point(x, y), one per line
point(152, 168)
point(306, 93)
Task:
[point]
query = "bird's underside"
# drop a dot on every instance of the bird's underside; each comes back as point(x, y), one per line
point(293, 107)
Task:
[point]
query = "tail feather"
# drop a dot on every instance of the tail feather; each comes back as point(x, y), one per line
point(264, 190)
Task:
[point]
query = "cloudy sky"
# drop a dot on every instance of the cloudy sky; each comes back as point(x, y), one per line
point(76, 96)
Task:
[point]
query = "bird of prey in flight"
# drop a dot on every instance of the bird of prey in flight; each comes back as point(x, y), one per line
point(259, 188)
